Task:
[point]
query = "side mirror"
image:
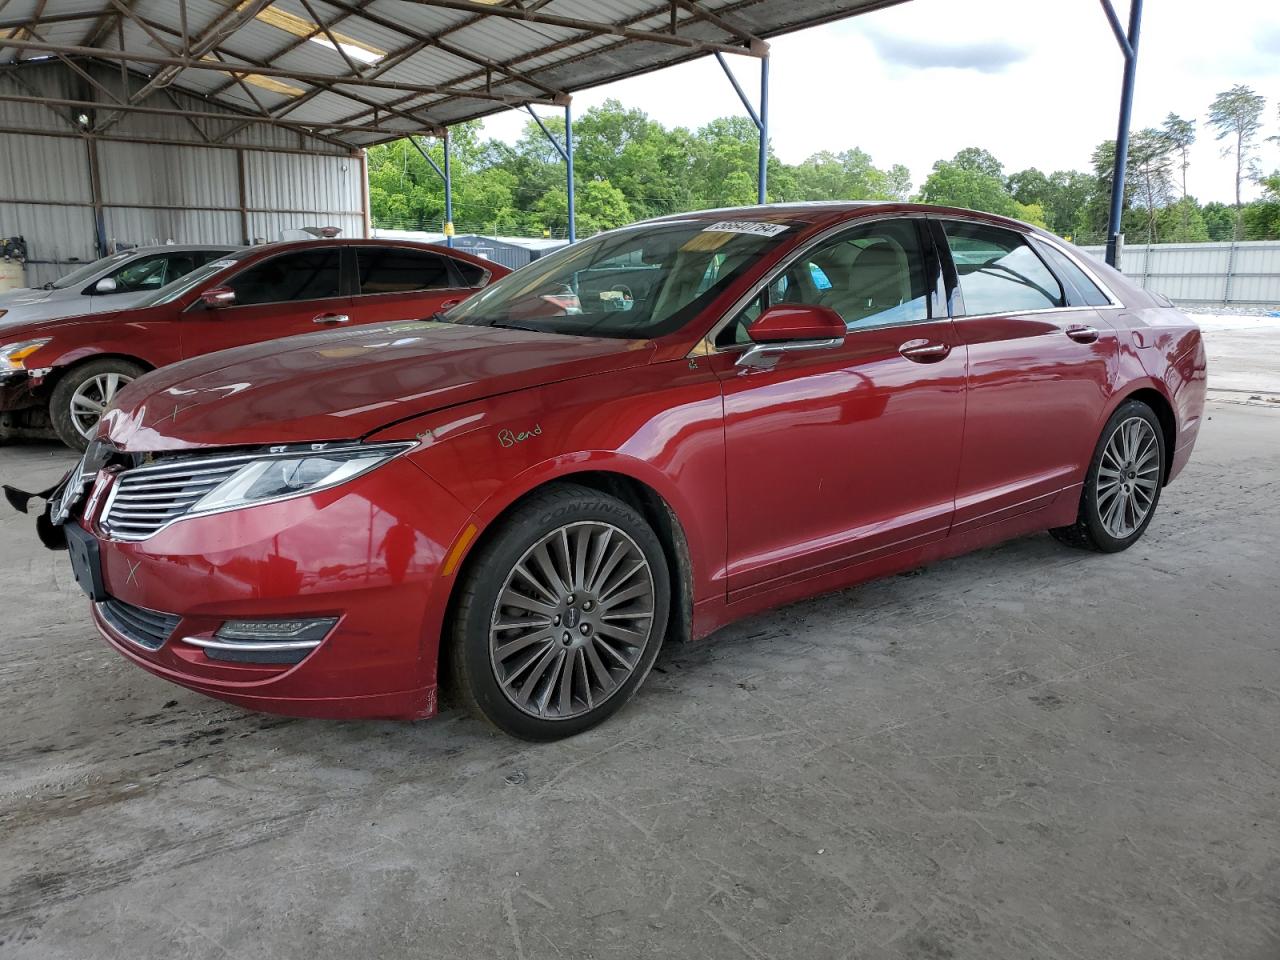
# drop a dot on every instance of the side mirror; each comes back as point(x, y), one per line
point(791, 327)
point(105, 285)
point(216, 297)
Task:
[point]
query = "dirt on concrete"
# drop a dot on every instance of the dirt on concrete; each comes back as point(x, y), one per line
point(1027, 752)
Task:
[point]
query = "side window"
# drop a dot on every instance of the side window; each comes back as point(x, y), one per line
point(399, 270)
point(305, 275)
point(1081, 291)
point(872, 276)
point(999, 273)
point(472, 275)
point(145, 274)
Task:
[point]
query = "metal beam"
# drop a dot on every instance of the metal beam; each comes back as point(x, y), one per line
point(762, 176)
point(1130, 50)
point(568, 147)
point(318, 79)
point(591, 27)
point(203, 115)
point(759, 118)
point(167, 141)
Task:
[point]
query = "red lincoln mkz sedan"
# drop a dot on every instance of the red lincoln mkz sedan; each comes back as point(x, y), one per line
point(646, 435)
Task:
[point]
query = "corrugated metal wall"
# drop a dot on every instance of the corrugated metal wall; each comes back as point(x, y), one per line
point(1245, 273)
point(184, 189)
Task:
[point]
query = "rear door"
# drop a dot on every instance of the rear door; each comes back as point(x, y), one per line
point(403, 283)
point(1038, 377)
point(295, 292)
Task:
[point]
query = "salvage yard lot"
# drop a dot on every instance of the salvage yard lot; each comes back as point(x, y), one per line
point(1030, 751)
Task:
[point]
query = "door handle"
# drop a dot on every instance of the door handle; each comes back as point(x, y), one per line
point(1081, 333)
point(450, 304)
point(922, 351)
point(331, 318)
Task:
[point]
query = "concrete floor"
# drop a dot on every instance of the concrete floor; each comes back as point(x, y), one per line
point(1030, 752)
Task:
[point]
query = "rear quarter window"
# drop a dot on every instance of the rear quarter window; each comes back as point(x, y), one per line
point(1080, 290)
point(472, 274)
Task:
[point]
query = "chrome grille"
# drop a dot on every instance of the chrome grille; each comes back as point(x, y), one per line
point(149, 497)
point(146, 628)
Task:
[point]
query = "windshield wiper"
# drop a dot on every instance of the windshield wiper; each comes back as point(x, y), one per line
point(512, 325)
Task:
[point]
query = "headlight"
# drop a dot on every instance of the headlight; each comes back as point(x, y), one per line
point(279, 476)
point(12, 354)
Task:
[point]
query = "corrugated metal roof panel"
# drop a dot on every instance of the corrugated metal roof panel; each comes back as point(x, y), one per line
point(559, 56)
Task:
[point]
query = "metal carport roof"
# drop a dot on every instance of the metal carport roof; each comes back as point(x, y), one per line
point(366, 71)
point(360, 72)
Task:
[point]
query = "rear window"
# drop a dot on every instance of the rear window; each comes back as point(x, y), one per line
point(999, 272)
point(400, 270)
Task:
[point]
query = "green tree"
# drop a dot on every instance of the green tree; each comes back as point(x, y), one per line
point(972, 179)
point(1236, 115)
point(1262, 217)
point(1153, 169)
point(1219, 220)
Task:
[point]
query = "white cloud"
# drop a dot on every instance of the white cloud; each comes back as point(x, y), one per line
point(1037, 82)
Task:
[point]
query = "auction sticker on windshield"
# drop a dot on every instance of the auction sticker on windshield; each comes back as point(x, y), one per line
point(753, 227)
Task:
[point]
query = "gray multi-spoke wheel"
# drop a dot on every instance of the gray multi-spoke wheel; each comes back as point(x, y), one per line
point(91, 399)
point(1123, 484)
point(84, 393)
point(572, 621)
point(1128, 477)
point(560, 614)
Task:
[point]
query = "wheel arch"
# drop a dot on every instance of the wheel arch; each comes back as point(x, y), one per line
point(1163, 409)
point(647, 500)
point(61, 368)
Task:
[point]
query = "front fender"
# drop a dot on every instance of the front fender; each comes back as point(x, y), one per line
point(661, 425)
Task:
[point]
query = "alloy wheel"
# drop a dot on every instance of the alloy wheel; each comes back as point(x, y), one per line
point(92, 398)
point(572, 621)
point(1128, 477)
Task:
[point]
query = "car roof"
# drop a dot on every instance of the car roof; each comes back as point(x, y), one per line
point(176, 247)
point(817, 211)
point(262, 249)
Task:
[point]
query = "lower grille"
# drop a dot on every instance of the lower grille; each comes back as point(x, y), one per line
point(146, 628)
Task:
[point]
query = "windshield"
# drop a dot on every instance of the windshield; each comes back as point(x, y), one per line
point(174, 291)
point(88, 271)
point(635, 283)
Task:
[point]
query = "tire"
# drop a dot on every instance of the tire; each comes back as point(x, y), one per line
point(1111, 516)
point(88, 383)
point(594, 631)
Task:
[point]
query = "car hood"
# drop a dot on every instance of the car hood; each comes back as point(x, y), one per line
point(25, 295)
point(32, 321)
point(346, 384)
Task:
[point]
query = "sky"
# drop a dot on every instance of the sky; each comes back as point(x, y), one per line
point(1036, 82)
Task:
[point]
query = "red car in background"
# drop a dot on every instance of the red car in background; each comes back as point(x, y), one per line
point(648, 434)
point(73, 367)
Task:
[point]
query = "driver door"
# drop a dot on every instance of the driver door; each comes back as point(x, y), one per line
point(841, 455)
point(293, 293)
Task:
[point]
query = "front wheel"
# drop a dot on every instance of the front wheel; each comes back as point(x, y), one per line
point(1123, 484)
point(561, 614)
point(83, 395)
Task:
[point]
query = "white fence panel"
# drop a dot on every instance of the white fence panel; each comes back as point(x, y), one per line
point(1245, 273)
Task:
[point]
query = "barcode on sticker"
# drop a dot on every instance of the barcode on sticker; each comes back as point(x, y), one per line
point(754, 227)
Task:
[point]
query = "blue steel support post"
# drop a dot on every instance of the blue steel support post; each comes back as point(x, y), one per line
point(568, 162)
point(762, 179)
point(759, 117)
point(1129, 47)
point(448, 192)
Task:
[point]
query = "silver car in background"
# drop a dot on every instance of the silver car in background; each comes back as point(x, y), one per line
point(112, 283)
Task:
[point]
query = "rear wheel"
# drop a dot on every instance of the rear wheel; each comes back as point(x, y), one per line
point(1122, 487)
point(561, 614)
point(83, 395)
